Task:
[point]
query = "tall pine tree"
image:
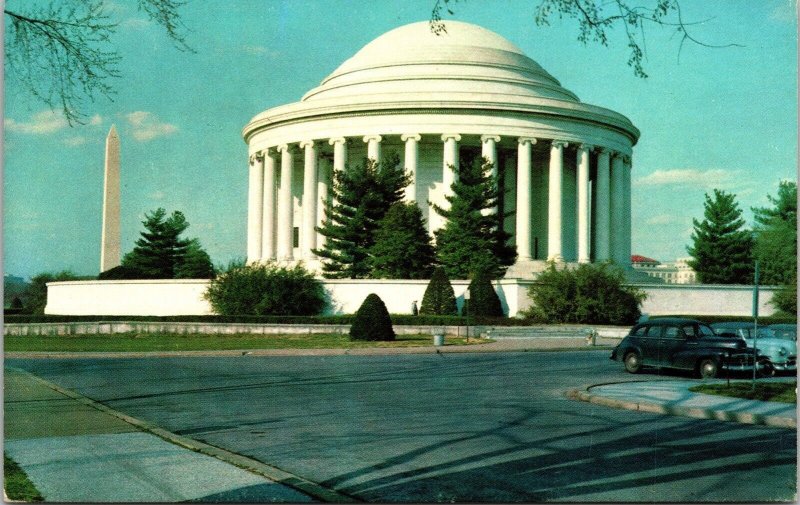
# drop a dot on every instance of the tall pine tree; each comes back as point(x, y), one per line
point(776, 237)
point(361, 196)
point(402, 248)
point(473, 239)
point(161, 252)
point(722, 249)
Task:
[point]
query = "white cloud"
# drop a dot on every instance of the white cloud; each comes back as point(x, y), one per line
point(146, 126)
point(254, 49)
point(96, 120)
point(41, 123)
point(158, 195)
point(75, 141)
point(711, 178)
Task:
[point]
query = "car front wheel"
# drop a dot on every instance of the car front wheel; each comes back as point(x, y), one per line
point(708, 368)
point(632, 362)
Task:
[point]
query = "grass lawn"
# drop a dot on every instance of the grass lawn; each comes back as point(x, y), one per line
point(167, 342)
point(17, 484)
point(785, 392)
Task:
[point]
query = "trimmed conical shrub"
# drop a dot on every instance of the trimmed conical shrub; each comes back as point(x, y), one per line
point(483, 299)
point(439, 298)
point(372, 321)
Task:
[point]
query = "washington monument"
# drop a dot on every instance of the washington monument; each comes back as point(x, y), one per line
point(110, 248)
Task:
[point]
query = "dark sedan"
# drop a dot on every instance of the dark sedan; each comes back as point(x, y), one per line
point(684, 344)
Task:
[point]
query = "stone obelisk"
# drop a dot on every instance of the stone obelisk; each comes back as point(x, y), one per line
point(110, 248)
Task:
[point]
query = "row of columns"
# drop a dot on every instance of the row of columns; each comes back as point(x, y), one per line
point(271, 222)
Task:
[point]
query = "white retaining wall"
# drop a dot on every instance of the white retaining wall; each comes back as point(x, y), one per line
point(185, 297)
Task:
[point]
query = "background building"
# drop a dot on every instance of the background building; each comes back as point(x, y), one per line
point(677, 272)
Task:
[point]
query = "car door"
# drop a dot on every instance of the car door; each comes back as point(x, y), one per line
point(649, 344)
point(672, 341)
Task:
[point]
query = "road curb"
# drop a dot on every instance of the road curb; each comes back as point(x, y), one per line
point(272, 473)
point(677, 410)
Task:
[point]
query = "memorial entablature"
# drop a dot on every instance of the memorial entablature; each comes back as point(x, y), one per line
point(564, 165)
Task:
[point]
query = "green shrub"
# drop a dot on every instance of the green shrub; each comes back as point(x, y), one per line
point(483, 300)
point(439, 298)
point(266, 289)
point(785, 299)
point(589, 294)
point(372, 321)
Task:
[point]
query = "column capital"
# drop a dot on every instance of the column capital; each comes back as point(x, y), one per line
point(526, 140)
point(626, 159)
point(616, 154)
point(486, 138)
point(448, 136)
point(290, 148)
point(559, 144)
point(410, 136)
point(602, 150)
point(267, 152)
point(337, 140)
point(585, 147)
point(376, 138)
point(306, 143)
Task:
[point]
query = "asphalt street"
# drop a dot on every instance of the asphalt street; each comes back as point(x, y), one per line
point(456, 427)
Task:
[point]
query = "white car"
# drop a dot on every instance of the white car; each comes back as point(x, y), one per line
point(778, 342)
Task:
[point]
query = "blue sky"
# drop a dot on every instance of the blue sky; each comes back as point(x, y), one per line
point(710, 118)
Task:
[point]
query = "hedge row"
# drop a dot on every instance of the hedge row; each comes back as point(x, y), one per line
point(762, 321)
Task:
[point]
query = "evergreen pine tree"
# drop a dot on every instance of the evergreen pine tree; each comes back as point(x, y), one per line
point(402, 248)
point(483, 300)
point(439, 298)
point(195, 263)
point(160, 249)
point(473, 239)
point(361, 196)
point(722, 250)
point(776, 237)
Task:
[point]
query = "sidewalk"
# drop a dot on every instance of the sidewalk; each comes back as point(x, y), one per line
point(674, 398)
point(73, 451)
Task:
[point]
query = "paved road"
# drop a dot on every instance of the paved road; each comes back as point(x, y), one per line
point(462, 427)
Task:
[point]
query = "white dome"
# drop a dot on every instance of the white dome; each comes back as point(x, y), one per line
point(411, 60)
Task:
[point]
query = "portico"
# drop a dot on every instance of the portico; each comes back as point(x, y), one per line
point(563, 166)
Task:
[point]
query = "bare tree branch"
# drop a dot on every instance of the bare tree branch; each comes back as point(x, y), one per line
point(595, 21)
point(62, 54)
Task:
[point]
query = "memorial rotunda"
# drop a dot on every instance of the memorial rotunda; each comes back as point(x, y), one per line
point(564, 166)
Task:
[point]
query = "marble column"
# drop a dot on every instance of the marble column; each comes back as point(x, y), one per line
point(323, 188)
point(489, 152)
point(411, 162)
point(308, 241)
point(602, 223)
point(450, 161)
point(255, 204)
point(524, 188)
point(554, 202)
point(373, 147)
point(268, 229)
point(584, 252)
point(285, 205)
point(339, 158)
point(617, 208)
point(627, 165)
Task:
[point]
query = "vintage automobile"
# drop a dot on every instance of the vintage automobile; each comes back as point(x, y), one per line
point(685, 344)
point(777, 342)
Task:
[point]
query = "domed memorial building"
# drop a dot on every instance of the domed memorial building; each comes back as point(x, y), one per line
point(564, 166)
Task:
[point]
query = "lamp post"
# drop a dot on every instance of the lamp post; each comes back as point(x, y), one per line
point(755, 327)
point(466, 309)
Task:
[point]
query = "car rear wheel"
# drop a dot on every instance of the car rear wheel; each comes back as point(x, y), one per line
point(708, 368)
point(632, 362)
